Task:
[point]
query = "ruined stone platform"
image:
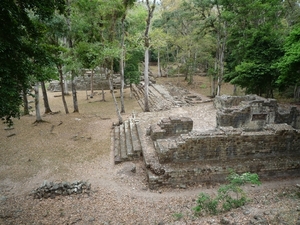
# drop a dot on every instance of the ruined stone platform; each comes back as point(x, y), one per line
point(199, 144)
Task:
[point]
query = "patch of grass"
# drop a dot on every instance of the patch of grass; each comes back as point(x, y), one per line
point(177, 216)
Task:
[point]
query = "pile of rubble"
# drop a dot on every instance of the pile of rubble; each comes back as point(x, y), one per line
point(51, 190)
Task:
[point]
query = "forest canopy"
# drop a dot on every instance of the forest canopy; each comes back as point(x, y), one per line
point(252, 44)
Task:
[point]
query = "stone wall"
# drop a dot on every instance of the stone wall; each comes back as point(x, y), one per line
point(252, 112)
point(207, 157)
point(222, 145)
point(172, 126)
point(253, 134)
point(84, 83)
point(51, 189)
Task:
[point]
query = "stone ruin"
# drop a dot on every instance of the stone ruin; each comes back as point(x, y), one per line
point(253, 113)
point(83, 82)
point(51, 189)
point(253, 134)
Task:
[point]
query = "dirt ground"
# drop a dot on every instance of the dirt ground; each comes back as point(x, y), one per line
point(77, 147)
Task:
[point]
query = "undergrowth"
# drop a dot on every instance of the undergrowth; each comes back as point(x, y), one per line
point(229, 196)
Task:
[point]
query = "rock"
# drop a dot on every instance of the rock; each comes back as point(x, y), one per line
point(246, 212)
point(91, 219)
point(259, 220)
point(182, 186)
point(51, 190)
point(3, 198)
point(225, 221)
point(133, 168)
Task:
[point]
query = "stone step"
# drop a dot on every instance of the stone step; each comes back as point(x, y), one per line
point(128, 140)
point(116, 144)
point(137, 148)
point(123, 151)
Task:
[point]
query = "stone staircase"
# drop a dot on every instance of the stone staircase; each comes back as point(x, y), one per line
point(126, 141)
point(157, 99)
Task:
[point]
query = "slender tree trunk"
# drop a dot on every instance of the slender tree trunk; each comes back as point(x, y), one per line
point(86, 89)
point(45, 98)
point(65, 83)
point(73, 85)
point(122, 67)
point(147, 46)
point(130, 90)
point(74, 94)
point(146, 80)
point(25, 101)
point(103, 94)
point(158, 65)
point(222, 35)
point(59, 67)
point(37, 103)
point(114, 97)
point(92, 84)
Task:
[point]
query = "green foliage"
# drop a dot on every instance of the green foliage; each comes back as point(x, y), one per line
point(20, 49)
point(289, 63)
point(206, 203)
point(178, 216)
point(131, 71)
point(229, 196)
point(254, 44)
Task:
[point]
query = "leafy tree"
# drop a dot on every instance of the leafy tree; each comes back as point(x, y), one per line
point(135, 26)
point(17, 33)
point(289, 63)
point(254, 44)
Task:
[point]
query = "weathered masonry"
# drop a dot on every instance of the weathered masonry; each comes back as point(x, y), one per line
point(253, 134)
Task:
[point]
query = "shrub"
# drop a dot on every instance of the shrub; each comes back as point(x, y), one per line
point(229, 196)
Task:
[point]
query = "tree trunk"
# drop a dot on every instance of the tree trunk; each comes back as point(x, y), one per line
point(222, 35)
point(158, 65)
point(103, 94)
point(45, 98)
point(59, 67)
point(65, 83)
point(122, 67)
point(92, 84)
point(146, 80)
point(37, 103)
point(25, 101)
point(114, 98)
point(74, 94)
point(130, 85)
point(147, 46)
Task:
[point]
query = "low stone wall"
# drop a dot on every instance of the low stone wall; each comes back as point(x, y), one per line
point(207, 157)
point(172, 126)
point(84, 83)
point(192, 173)
point(276, 140)
point(51, 190)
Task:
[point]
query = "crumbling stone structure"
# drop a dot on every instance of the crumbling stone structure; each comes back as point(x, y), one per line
point(172, 126)
point(83, 82)
point(252, 112)
point(248, 138)
point(51, 189)
point(252, 134)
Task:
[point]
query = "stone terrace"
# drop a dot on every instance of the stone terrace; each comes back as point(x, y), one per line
point(195, 144)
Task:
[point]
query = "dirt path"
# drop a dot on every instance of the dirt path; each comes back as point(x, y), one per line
point(78, 147)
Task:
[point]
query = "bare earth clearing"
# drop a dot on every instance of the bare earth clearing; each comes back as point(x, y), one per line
point(77, 147)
